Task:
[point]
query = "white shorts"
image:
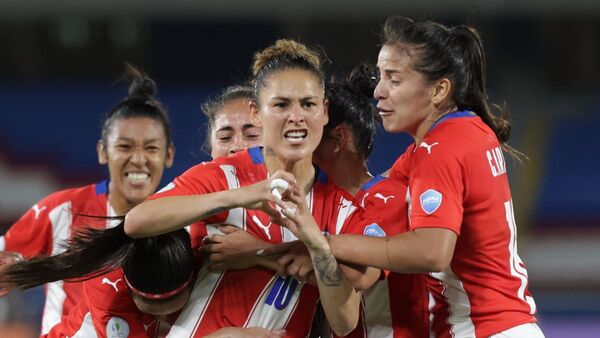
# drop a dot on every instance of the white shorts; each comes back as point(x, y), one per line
point(529, 330)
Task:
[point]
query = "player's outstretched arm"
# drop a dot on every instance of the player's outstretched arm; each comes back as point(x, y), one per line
point(421, 250)
point(162, 215)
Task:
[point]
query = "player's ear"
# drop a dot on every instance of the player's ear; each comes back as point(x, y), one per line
point(441, 92)
point(170, 155)
point(101, 150)
point(254, 114)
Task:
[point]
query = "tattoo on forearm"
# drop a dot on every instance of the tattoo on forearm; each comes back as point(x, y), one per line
point(328, 270)
point(212, 212)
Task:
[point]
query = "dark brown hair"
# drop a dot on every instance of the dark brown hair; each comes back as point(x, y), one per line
point(457, 54)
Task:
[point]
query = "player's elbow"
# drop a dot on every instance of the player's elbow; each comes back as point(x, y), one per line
point(344, 327)
point(437, 260)
point(135, 222)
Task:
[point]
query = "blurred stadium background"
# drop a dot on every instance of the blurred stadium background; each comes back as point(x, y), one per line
point(59, 62)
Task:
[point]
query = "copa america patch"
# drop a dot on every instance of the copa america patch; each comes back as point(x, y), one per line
point(117, 327)
point(374, 230)
point(167, 187)
point(430, 201)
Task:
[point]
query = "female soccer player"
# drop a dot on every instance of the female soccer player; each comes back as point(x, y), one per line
point(394, 307)
point(290, 106)
point(432, 85)
point(229, 127)
point(136, 146)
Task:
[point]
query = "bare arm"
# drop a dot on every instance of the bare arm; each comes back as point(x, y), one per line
point(340, 300)
point(236, 250)
point(250, 332)
point(421, 250)
point(155, 217)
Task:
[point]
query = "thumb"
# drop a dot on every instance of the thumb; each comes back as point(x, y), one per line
point(274, 249)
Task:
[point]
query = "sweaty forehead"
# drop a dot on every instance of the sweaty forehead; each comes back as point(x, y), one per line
point(292, 84)
point(394, 55)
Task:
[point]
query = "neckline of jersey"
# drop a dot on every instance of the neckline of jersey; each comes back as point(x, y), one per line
point(453, 115)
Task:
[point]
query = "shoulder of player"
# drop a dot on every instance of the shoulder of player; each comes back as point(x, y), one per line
point(72, 195)
point(108, 291)
point(452, 139)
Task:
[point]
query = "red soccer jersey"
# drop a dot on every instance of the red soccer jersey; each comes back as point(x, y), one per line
point(398, 305)
point(251, 297)
point(457, 180)
point(106, 310)
point(47, 224)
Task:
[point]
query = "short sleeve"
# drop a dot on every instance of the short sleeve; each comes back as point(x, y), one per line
point(113, 312)
point(31, 235)
point(203, 178)
point(436, 188)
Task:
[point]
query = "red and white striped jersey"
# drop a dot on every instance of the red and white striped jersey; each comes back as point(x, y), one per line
point(251, 297)
point(457, 180)
point(106, 310)
point(42, 229)
point(398, 305)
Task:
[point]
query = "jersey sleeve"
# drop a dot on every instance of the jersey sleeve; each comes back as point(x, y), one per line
point(436, 188)
point(31, 235)
point(112, 310)
point(384, 210)
point(203, 178)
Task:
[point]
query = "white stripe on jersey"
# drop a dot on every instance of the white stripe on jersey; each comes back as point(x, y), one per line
point(516, 264)
point(459, 306)
point(61, 219)
point(345, 209)
point(276, 314)
point(87, 328)
point(187, 322)
point(2, 243)
point(110, 212)
point(377, 312)
point(235, 216)
point(430, 307)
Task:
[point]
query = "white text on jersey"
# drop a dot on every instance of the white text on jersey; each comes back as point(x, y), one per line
point(496, 161)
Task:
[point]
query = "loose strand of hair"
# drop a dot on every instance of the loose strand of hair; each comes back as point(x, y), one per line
point(89, 253)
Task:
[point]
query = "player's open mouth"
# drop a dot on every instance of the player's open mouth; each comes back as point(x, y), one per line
point(296, 136)
point(137, 177)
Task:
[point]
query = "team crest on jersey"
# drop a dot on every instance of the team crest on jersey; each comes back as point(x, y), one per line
point(167, 187)
point(374, 230)
point(117, 327)
point(430, 201)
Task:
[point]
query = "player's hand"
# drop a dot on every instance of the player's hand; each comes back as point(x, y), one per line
point(297, 263)
point(250, 332)
point(7, 258)
point(268, 194)
point(233, 250)
point(301, 221)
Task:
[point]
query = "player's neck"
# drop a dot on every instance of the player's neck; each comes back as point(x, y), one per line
point(429, 122)
point(350, 173)
point(303, 170)
point(118, 203)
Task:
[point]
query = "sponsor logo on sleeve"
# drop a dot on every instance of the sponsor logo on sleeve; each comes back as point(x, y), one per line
point(167, 187)
point(374, 230)
point(430, 201)
point(117, 328)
